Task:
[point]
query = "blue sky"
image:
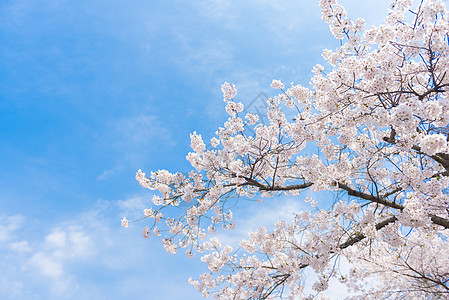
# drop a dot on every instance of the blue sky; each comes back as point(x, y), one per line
point(90, 92)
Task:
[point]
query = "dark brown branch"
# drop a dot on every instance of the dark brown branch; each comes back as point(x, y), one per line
point(439, 221)
point(433, 90)
point(357, 238)
point(355, 193)
point(263, 187)
point(360, 236)
point(351, 192)
point(441, 158)
point(351, 241)
point(425, 277)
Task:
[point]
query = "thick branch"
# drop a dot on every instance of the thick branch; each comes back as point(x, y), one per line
point(436, 89)
point(441, 158)
point(357, 238)
point(439, 221)
point(355, 193)
point(360, 236)
point(263, 187)
point(351, 192)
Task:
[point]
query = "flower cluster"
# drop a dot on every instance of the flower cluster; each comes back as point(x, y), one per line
point(373, 128)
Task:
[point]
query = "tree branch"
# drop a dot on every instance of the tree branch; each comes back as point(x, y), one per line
point(360, 236)
point(355, 193)
point(263, 187)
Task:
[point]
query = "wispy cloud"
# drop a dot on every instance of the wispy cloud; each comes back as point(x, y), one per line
point(133, 207)
point(59, 249)
point(105, 174)
point(219, 11)
point(8, 225)
point(132, 136)
point(139, 130)
point(57, 263)
point(20, 247)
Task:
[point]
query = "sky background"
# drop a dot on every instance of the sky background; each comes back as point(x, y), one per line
point(92, 91)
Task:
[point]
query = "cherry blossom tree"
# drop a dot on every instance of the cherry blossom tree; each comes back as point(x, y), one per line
point(377, 120)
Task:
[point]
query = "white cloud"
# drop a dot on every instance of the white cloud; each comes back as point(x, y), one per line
point(56, 239)
point(105, 174)
point(133, 134)
point(205, 57)
point(133, 207)
point(59, 249)
point(20, 247)
point(80, 244)
point(47, 264)
point(220, 11)
point(58, 264)
point(131, 138)
point(8, 224)
point(14, 289)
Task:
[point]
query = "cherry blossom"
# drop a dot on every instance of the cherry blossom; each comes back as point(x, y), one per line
point(124, 222)
point(377, 119)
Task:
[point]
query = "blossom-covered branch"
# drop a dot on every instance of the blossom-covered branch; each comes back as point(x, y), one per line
point(372, 128)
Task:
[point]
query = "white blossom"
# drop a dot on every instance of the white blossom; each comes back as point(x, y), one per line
point(124, 222)
point(371, 129)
